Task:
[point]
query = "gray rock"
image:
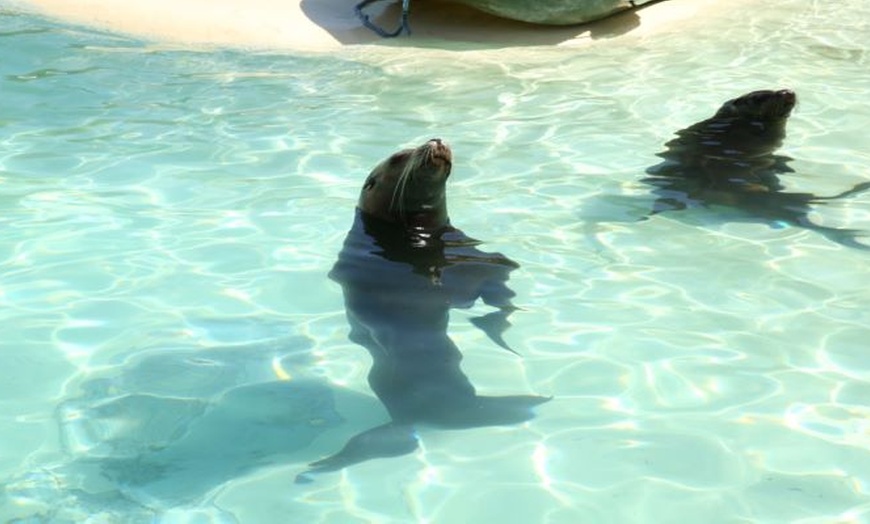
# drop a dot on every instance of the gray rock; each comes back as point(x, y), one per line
point(553, 12)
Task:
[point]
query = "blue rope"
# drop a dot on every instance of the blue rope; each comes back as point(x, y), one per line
point(364, 18)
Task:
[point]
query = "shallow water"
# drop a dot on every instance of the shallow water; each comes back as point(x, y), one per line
point(174, 351)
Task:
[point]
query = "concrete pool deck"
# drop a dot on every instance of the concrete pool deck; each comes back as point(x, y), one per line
point(323, 25)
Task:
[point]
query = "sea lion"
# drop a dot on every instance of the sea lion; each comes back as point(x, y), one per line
point(401, 269)
point(729, 160)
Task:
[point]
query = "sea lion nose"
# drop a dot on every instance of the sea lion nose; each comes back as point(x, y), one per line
point(788, 94)
point(436, 140)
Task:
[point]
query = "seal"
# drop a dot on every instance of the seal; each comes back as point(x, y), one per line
point(402, 267)
point(729, 160)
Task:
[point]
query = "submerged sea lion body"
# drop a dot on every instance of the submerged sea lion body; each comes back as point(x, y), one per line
point(402, 267)
point(729, 160)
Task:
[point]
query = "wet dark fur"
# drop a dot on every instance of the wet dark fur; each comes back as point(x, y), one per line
point(401, 275)
point(729, 160)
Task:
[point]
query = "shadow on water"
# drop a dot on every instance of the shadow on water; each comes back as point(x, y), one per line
point(729, 160)
point(399, 284)
point(167, 428)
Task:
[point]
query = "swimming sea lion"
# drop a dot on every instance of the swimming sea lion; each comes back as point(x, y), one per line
point(402, 267)
point(729, 160)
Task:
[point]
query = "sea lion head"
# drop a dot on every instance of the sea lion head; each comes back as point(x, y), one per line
point(764, 105)
point(409, 187)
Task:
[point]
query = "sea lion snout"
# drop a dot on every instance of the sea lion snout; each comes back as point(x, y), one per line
point(788, 95)
point(787, 100)
point(438, 151)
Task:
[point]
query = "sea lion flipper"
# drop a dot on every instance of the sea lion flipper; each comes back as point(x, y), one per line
point(844, 237)
point(388, 440)
point(494, 325)
point(664, 204)
point(857, 189)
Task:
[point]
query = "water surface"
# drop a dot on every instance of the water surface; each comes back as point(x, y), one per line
point(174, 351)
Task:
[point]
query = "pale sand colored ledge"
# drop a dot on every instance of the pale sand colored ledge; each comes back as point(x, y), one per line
point(323, 25)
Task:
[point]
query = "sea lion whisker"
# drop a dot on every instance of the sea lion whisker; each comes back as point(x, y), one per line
point(397, 201)
point(402, 190)
point(395, 198)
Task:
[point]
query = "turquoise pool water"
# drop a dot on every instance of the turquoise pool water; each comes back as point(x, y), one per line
point(173, 350)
